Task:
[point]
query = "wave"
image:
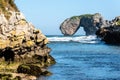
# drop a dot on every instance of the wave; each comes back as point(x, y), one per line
point(81, 39)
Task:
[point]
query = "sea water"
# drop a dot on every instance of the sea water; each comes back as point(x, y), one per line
point(83, 58)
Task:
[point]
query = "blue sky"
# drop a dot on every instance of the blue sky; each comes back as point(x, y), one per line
point(47, 15)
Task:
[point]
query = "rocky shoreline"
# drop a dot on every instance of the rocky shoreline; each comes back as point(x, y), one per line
point(111, 34)
point(24, 54)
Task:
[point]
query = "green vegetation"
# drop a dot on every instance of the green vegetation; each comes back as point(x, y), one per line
point(74, 17)
point(81, 16)
point(6, 6)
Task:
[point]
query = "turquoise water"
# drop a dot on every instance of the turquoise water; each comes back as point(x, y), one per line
point(80, 60)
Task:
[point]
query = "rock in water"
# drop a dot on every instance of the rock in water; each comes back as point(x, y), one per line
point(90, 23)
point(111, 34)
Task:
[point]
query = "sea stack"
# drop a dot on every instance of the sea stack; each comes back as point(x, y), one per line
point(90, 23)
point(22, 47)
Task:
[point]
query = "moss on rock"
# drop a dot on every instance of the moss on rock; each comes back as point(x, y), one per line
point(29, 69)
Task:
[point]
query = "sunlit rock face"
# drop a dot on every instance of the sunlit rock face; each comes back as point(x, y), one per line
point(90, 23)
point(21, 43)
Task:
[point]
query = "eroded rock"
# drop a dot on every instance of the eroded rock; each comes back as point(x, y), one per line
point(20, 41)
point(111, 34)
point(90, 23)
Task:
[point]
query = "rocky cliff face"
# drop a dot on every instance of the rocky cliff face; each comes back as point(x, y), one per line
point(21, 44)
point(90, 23)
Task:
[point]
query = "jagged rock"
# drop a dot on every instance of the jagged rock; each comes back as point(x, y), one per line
point(46, 73)
point(16, 32)
point(90, 23)
point(110, 34)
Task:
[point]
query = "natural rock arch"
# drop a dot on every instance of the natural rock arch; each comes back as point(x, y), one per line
point(90, 22)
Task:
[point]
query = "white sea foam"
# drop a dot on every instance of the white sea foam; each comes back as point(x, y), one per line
point(81, 39)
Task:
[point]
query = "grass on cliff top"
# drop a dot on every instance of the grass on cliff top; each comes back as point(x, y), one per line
point(7, 5)
point(81, 16)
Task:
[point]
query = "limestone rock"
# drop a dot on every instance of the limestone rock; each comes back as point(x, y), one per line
point(20, 41)
point(90, 23)
point(70, 26)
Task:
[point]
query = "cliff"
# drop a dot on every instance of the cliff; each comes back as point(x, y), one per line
point(22, 47)
point(90, 23)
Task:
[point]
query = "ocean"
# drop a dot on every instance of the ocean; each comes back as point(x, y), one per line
point(83, 58)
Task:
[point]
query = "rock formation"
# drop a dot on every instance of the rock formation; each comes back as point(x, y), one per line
point(20, 44)
point(90, 23)
point(108, 31)
point(111, 34)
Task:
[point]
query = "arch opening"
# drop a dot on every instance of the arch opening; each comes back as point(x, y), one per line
point(80, 31)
